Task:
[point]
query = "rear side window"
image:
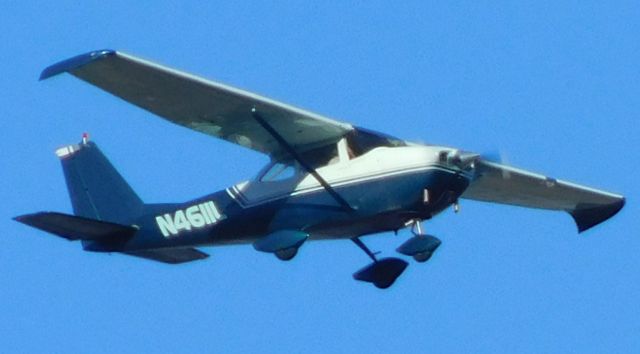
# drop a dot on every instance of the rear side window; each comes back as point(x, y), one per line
point(279, 172)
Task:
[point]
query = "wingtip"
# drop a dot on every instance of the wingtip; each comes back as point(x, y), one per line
point(587, 217)
point(24, 218)
point(74, 62)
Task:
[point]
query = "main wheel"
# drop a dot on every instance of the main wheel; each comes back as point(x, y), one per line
point(422, 257)
point(382, 273)
point(382, 285)
point(287, 254)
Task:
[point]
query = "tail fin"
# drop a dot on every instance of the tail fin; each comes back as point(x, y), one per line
point(96, 189)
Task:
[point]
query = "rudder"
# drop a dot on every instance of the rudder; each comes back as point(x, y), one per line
point(96, 189)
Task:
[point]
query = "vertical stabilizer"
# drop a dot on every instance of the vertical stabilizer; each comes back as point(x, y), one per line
point(96, 189)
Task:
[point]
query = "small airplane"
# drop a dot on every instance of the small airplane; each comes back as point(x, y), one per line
point(325, 180)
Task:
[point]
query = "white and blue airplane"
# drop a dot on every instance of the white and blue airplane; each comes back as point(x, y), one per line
point(326, 179)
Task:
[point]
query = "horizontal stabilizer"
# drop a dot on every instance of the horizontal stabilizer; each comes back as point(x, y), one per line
point(76, 227)
point(171, 255)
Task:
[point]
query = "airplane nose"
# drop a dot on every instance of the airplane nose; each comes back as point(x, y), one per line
point(460, 159)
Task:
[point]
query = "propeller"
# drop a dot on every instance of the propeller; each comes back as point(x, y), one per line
point(459, 158)
point(466, 160)
point(499, 157)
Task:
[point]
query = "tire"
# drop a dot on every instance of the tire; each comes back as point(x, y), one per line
point(422, 257)
point(286, 254)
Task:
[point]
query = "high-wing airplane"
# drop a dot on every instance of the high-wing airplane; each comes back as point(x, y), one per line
point(326, 179)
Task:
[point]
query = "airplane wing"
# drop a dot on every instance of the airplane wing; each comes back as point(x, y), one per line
point(170, 255)
point(507, 185)
point(206, 106)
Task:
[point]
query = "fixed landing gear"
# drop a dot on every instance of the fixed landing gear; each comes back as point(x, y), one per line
point(284, 244)
point(286, 254)
point(382, 273)
point(421, 246)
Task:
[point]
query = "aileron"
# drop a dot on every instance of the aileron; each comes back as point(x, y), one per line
point(507, 185)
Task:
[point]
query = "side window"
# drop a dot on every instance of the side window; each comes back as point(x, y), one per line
point(322, 156)
point(279, 172)
point(360, 141)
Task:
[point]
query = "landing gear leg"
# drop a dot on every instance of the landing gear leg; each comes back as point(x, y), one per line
point(381, 273)
point(364, 247)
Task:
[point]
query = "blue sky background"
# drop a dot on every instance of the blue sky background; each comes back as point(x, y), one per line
point(554, 86)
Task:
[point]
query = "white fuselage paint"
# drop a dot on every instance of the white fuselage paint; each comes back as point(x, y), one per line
point(378, 163)
point(194, 217)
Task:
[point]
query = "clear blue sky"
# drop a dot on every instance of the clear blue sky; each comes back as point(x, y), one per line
point(553, 86)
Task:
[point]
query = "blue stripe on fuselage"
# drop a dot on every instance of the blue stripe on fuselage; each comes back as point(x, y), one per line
point(244, 201)
point(385, 195)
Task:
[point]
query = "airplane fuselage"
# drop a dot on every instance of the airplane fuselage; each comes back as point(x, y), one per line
point(387, 187)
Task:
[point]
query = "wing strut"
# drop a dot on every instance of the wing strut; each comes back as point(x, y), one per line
point(382, 272)
point(288, 148)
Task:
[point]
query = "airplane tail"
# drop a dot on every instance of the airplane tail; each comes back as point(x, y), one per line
point(104, 205)
point(96, 189)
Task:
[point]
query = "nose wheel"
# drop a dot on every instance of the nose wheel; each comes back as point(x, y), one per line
point(382, 273)
point(421, 246)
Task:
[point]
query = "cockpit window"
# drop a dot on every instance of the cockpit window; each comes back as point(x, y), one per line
point(321, 156)
point(357, 143)
point(279, 171)
point(361, 141)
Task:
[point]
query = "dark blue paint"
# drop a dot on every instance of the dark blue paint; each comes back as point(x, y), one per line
point(279, 240)
point(99, 192)
point(377, 209)
point(75, 62)
point(588, 216)
point(382, 273)
point(419, 244)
